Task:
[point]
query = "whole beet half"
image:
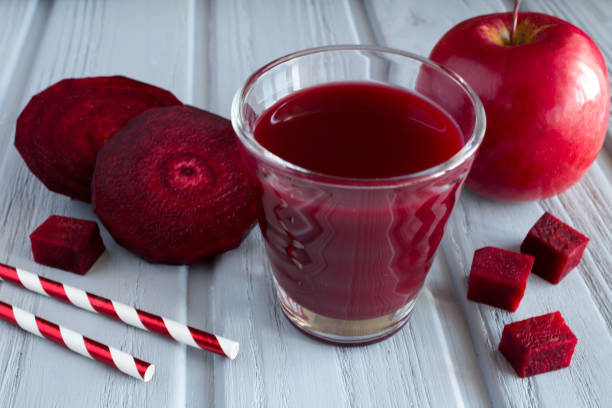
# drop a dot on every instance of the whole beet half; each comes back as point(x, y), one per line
point(170, 186)
point(61, 129)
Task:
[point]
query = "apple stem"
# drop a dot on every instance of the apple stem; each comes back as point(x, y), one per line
point(517, 5)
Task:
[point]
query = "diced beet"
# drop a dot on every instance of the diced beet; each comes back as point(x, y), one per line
point(498, 277)
point(557, 248)
point(62, 128)
point(171, 186)
point(539, 344)
point(67, 243)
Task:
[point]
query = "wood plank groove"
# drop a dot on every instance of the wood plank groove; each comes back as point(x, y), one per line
point(197, 382)
point(359, 19)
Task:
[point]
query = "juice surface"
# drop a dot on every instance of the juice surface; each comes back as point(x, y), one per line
point(358, 130)
point(355, 253)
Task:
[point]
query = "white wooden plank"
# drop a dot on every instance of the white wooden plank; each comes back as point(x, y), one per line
point(16, 27)
point(278, 366)
point(20, 23)
point(138, 39)
point(583, 297)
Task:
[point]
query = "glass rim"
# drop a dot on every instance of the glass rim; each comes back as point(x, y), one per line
point(247, 138)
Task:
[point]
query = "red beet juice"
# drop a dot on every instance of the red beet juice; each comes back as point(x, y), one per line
point(358, 130)
point(346, 252)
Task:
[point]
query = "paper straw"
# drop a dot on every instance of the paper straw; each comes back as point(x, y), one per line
point(119, 311)
point(76, 342)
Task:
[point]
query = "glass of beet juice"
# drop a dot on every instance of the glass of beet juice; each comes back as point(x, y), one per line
point(361, 153)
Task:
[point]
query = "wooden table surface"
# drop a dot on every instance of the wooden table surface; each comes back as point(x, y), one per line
point(203, 51)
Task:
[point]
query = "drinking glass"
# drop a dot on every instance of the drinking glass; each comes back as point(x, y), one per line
point(349, 255)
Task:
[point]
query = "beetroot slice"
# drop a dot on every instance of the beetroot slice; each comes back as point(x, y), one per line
point(539, 344)
point(171, 187)
point(67, 243)
point(556, 246)
point(62, 128)
point(499, 277)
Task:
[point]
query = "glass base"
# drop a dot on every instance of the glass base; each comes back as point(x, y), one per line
point(343, 331)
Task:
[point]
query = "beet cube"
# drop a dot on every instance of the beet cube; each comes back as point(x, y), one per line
point(557, 248)
point(539, 344)
point(498, 277)
point(67, 243)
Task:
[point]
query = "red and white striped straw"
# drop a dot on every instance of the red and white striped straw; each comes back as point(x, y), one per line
point(79, 344)
point(119, 311)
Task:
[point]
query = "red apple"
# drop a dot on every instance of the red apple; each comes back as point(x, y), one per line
point(546, 96)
